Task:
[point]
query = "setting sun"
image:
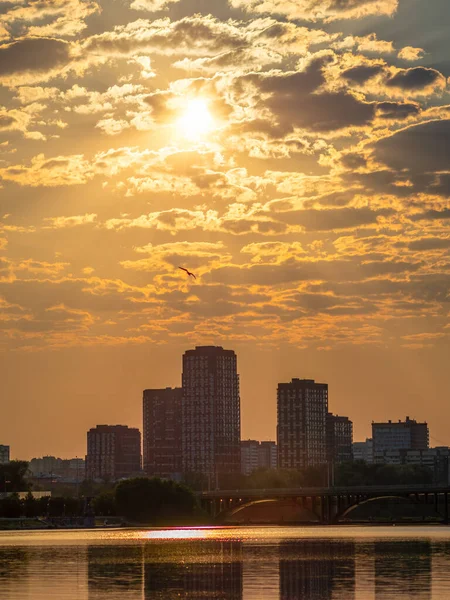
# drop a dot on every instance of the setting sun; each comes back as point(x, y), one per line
point(196, 121)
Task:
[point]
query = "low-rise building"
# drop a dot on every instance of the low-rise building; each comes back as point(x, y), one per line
point(363, 450)
point(257, 455)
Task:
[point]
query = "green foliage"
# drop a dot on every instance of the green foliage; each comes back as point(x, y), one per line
point(12, 476)
point(361, 473)
point(151, 500)
point(105, 504)
point(11, 507)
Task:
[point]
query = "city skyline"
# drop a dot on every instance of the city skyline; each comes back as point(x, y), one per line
point(292, 155)
point(137, 403)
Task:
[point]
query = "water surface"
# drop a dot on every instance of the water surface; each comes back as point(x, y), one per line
point(248, 563)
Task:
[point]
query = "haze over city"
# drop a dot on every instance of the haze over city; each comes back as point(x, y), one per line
point(292, 155)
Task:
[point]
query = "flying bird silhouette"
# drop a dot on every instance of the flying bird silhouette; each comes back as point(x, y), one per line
point(188, 272)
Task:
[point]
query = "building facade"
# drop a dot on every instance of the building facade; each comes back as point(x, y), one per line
point(113, 452)
point(400, 435)
point(211, 430)
point(257, 455)
point(162, 433)
point(339, 439)
point(70, 469)
point(363, 451)
point(4, 454)
point(302, 407)
point(435, 459)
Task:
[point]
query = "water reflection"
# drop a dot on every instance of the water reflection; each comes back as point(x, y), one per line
point(239, 564)
point(317, 569)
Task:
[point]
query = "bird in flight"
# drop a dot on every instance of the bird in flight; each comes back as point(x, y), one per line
point(188, 272)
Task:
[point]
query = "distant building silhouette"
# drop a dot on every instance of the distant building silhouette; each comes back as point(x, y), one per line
point(70, 469)
point(211, 413)
point(257, 455)
point(113, 452)
point(401, 435)
point(162, 432)
point(302, 408)
point(339, 439)
point(363, 451)
point(4, 454)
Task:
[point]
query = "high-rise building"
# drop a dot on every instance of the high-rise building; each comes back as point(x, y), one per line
point(257, 455)
point(4, 454)
point(162, 432)
point(113, 452)
point(401, 435)
point(339, 439)
point(211, 414)
point(363, 451)
point(301, 423)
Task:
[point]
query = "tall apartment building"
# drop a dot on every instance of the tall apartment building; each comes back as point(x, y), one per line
point(401, 435)
point(257, 455)
point(339, 439)
point(113, 452)
point(4, 454)
point(302, 407)
point(162, 432)
point(211, 431)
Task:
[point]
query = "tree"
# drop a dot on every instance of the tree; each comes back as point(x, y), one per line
point(150, 500)
point(105, 504)
point(11, 507)
point(12, 476)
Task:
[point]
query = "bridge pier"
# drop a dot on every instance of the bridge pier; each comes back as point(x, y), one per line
point(446, 508)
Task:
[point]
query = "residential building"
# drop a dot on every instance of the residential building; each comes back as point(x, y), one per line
point(257, 455)
point(268, 455)
point(211, 414)
point(401, 435)
point(363, 451)
point(302, 407)
point(4, 454)
point(113, 452)
point(339, 439)
point(72, 469)
point(162, 433)
point(436, 459)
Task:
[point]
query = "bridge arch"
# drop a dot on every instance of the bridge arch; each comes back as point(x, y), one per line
point(272, 510)
point(406, 499)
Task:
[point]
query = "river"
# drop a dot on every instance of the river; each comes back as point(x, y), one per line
point(248, 563)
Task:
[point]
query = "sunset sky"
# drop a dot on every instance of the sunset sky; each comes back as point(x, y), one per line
point(293, 154)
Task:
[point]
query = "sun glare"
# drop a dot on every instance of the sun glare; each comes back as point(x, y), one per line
point(196, 121)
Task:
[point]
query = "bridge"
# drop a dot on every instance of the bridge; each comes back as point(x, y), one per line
point(328, 504)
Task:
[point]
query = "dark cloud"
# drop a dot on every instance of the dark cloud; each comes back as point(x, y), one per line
point(33, 54)
point(416, 78)
point(432, 215)
point(322, 270)
point(420, 148)
point(361, 73)
point(430, 243)
point(329, 219)
point(397, 110)
point(295, 102)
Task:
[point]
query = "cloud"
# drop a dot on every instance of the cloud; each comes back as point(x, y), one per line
point(63, 222)
point(410, 53)
point(295, 100)
point(34, 55)
point(421, 148)
point(362, 73)
point(417, 78)
point(152, 5)
point(312, 10)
